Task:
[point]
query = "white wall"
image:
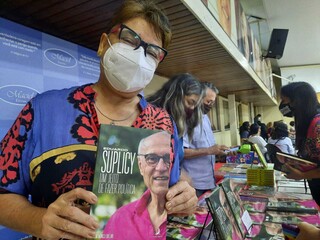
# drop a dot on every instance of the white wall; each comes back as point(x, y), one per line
point(309, 73)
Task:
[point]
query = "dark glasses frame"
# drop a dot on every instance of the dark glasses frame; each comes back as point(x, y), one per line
point(143, 44)
point(166, 159)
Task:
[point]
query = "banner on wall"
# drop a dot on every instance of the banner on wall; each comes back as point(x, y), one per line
point(32, 62)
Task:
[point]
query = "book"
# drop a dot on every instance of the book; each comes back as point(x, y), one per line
point(292, 218)
point(223, 218)
point(197, 219)
point(181, 231)
point(266, 231)
point(258, 191)
point(125, 162)
point(265, 193)
point(257, 218)
point(240, 158)
point(298, 206)
point(294, 161)
point(261, 157)
point(280, 158)
point(235, 204)
point(254, 206)
point(261, 176)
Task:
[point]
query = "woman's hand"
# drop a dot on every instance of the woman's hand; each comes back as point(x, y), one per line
point(293, 173)
point(182, 199)
point(63, 219)
point(308, 232)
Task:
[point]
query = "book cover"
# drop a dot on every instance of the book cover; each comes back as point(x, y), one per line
point(261, 157)
point(254, 206)
point(181, 231)
point(299, 206)
point(240, 158)
point(257, 218)
point(280, 158)
point(235, 204)
point(197, 219)
point(266, 231)
point(292, 218)
point(294, 161)
point(289, 196)
point(258, 191)
point(131, 174)
point(223, 218)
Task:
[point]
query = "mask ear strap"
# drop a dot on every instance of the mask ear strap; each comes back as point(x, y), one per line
point(102, 44)
point(109, 42)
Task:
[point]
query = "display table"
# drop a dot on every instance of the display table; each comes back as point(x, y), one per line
point(288, 201)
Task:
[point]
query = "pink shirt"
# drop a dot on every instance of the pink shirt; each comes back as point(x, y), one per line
point(132, 221)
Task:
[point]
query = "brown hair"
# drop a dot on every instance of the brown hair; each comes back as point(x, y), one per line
point(150, 12)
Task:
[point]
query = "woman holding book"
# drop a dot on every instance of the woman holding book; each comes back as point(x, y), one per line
point(50, 151)
point(299, 100)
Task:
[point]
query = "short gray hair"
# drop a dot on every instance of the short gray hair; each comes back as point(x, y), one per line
point(211, 86)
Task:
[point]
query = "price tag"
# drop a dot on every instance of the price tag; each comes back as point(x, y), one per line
point(247, 221)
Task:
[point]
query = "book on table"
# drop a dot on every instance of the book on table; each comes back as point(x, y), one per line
point(266, 231)
point(261, 157)
point(234, 203)
point(292, 217)
point(118, 181)
point(254, 206)
point(298, 206)
point(224, 221)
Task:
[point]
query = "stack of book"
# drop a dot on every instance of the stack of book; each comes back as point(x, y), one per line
point(261, 176)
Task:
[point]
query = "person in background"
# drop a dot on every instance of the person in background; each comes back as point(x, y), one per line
point(244, 131)
point(299, 100)
point(200, 150)
point(279, 137)
point(254, 137)
point(181, 96)
point(49, 152)
point(257, 118)
point(292, 132)
point(263, 127)
point(269, 129)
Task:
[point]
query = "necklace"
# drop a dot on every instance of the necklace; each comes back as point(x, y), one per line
point(113, 121)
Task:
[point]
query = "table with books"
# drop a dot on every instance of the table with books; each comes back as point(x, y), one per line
point(239, 210)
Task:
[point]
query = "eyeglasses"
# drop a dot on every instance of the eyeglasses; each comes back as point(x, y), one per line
point(153, 159)
point(130, 37)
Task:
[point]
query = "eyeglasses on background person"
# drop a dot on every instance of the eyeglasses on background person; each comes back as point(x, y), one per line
point(153, 159)
point(131, 38)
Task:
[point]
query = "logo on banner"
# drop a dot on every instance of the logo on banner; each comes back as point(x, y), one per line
point(60, 58)
point(17, 94)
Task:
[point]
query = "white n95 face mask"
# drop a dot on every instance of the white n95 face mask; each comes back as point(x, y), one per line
point(126, 69)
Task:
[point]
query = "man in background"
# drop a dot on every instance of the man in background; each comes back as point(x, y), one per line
point(200, 151)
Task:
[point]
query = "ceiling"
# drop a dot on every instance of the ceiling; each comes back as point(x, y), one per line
point(83, 21)
point(300, 17)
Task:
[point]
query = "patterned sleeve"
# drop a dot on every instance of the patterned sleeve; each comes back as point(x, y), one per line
point(313, 139)
point(13, 170)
